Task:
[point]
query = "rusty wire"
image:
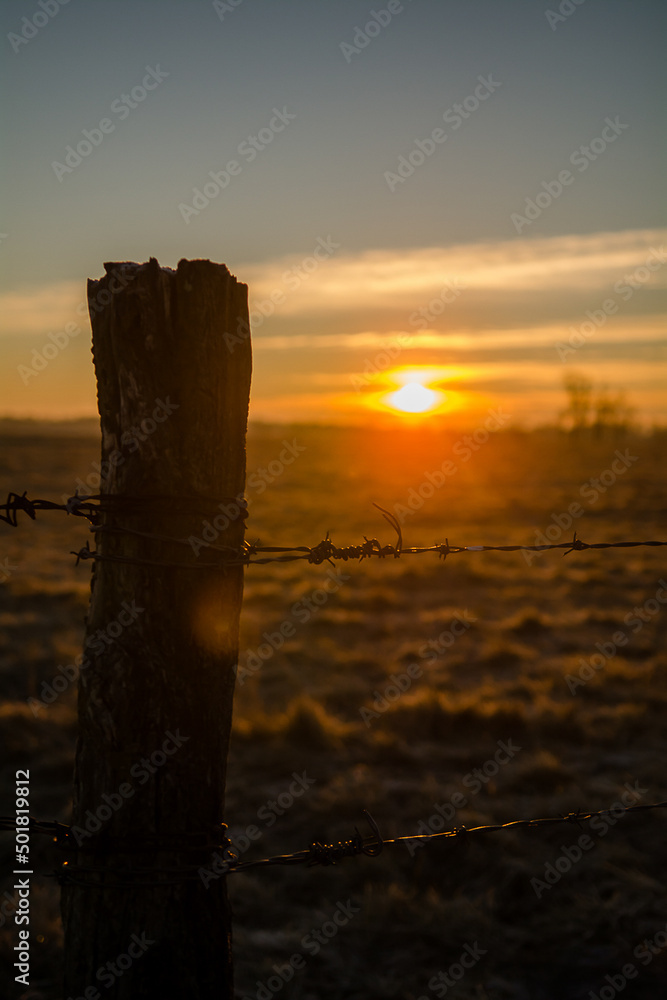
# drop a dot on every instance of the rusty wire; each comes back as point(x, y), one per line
point(316, 854)
point(95, 506)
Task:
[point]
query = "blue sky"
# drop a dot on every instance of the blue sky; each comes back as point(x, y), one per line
point(331, 126)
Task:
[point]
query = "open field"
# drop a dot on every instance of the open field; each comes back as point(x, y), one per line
point(489, 639)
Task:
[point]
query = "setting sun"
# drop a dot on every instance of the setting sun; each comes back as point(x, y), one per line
point(414, 398)
point(413, 394)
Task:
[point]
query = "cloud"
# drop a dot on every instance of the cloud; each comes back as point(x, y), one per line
point(394, 283)
point(616, 330)
point(406, 279)
point(40, 309)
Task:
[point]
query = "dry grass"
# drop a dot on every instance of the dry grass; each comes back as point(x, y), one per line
point(502, 679)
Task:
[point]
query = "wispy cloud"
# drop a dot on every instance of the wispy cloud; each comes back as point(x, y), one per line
point(643, 329)
point(403, 279)
point(38, 309)
point(386, 281)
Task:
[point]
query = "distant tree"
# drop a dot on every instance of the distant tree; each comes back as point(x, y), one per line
point(577, 415)
point(594, 411)
point(613, 414)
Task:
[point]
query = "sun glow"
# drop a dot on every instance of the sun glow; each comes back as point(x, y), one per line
point(414, 397)
point(417, 392)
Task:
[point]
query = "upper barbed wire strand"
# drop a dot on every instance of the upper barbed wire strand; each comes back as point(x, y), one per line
point(96, 505)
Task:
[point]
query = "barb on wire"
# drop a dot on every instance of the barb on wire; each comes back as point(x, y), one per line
point(394, 522)
point(329, 854)
point(317, 853)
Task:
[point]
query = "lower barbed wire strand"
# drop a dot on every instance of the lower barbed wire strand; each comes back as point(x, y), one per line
point(317, 854)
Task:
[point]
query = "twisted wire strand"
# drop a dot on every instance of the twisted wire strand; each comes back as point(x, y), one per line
point(316, 854)
point(91, 507)
point(95, 506)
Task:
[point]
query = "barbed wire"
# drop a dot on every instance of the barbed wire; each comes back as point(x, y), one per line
point(93, 507)
point(316, 854)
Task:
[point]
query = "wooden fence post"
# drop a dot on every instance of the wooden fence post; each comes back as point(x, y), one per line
point(173, 363)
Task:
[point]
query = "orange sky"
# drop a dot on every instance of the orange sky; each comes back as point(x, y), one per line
point(476, 192)
point(486, 324)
